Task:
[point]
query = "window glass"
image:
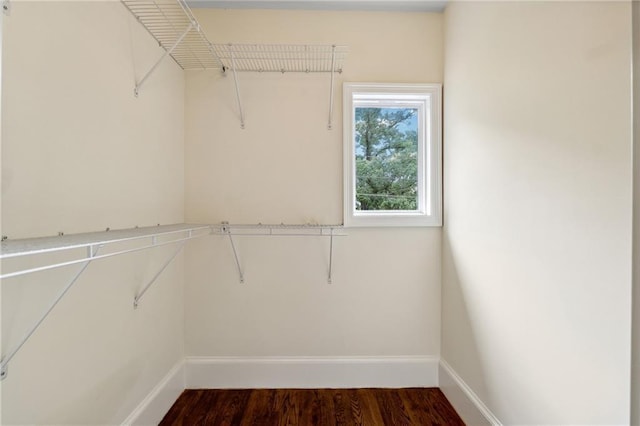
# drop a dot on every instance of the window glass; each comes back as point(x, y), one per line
point(386, 152)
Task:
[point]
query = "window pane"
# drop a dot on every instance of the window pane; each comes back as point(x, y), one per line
point(386, 151)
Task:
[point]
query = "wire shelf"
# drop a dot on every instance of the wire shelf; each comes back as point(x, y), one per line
point(176, 30)
point(40, 245)
point(140, 239)
point(303, 230)
point(281, 57)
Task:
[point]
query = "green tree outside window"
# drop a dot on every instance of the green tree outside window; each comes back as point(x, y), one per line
point(386, 158)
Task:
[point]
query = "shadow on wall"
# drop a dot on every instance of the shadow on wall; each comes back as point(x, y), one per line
point(458, 326)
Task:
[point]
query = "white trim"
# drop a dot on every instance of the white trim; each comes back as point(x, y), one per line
point(465, 401)
point(158, 402)
point(310, 372)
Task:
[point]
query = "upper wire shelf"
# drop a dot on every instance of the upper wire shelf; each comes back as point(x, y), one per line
point(281, 57)
point(174, 27)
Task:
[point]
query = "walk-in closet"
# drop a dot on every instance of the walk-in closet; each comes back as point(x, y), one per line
point(319, 205)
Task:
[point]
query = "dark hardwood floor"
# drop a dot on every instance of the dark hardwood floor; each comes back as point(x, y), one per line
point(306, 407)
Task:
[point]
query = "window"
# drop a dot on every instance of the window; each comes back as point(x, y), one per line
point(392, 154)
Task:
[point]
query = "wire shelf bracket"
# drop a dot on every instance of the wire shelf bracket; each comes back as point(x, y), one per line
point(333, 62)
point(282, 230)
point(281, 58)
point(235, 82)
point(168, 52)
point(92, 251)
point(137, 299)
point(225, 229)
point(172, 24)
point(93, 243)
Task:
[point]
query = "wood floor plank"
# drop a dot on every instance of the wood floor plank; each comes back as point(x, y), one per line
point(313, 407)
point(286, 406)
point(260, 409)
point(253, 411)
point(371, 414)
point(327, 407)
point(195, 412)
point(421, 413)
point(361, 413)
point(341, 413)
point(309, 406)
point(391, 413)
point(230, 408)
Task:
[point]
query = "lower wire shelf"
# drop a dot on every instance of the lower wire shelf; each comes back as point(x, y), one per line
point(93, 245)
point(85, 248)
point(281, 230)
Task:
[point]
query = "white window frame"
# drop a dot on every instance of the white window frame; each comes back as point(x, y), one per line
point(427, 98)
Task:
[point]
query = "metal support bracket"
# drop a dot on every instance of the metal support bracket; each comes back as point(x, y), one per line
point(282, 230)
point(333, 63)
point(235, 80)
point(92, 251)
point(136, 90)
point(6, 9)
point(330, 256)
point(136, 300)
point(227, 230)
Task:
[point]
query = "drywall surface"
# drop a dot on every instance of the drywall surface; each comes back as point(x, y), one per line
point(286, 167)
point(635, 342)
point(1, 55)
point(81, 153)
point(537, 236)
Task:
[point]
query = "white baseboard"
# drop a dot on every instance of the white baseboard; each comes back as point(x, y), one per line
point(310, 372)
point(472, 410)
point(153, 408)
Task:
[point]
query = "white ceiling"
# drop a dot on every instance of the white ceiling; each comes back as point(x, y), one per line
point(388, 5)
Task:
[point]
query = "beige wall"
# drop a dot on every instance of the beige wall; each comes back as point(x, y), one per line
point(635, 342)
point(1, 121)
point(537, 236)
point(80, 153)
point(287, 167)
point(1, 68)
